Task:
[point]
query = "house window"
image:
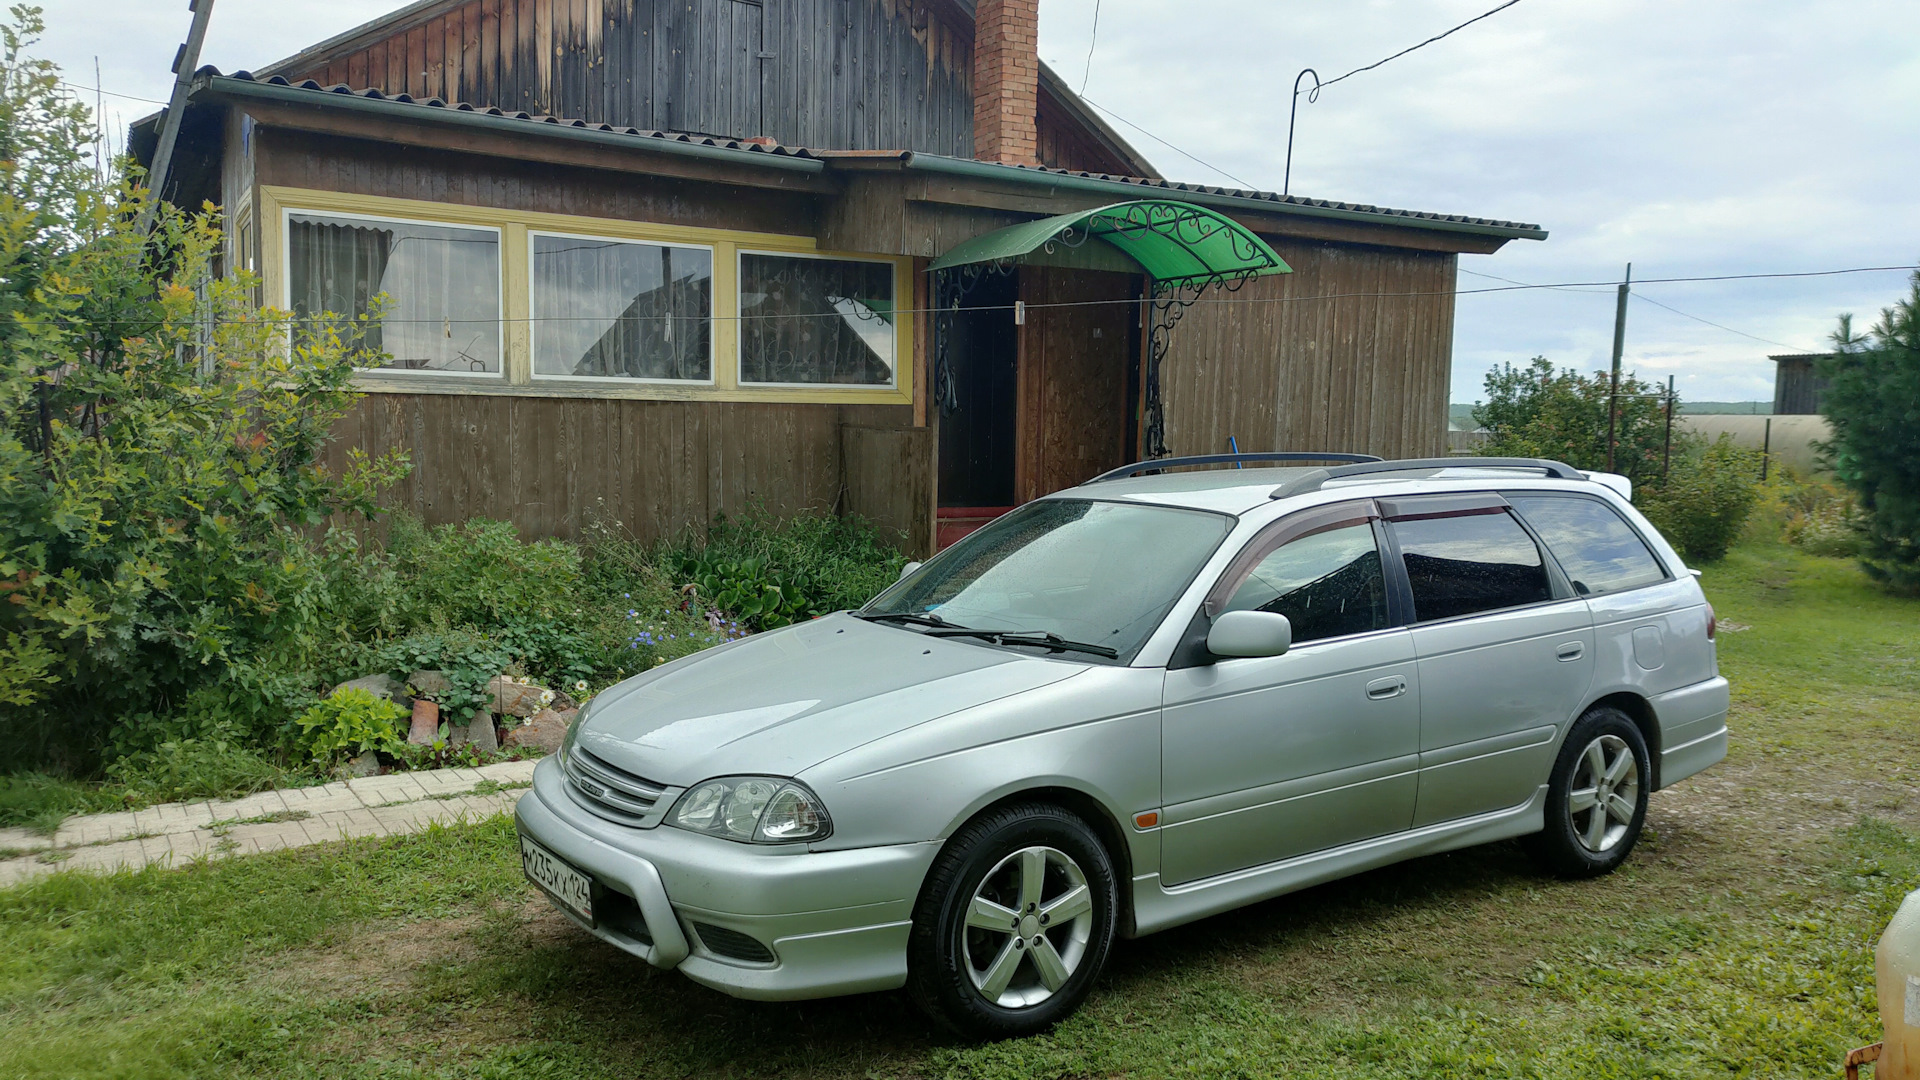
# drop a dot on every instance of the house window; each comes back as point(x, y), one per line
point(812, 321)
point(441, 284)
point(612, 309)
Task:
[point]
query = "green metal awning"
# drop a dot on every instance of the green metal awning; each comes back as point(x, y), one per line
point(1175, 243)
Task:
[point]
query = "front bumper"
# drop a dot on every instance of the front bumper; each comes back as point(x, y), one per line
point(836, 921)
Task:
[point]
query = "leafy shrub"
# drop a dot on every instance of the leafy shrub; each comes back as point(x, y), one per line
point(468, 658)
point(353, 721)
point(768, 573)
point(1873, 383)
point(1562, 415)
point(191, 769)
point(479, 573)
point(159, 443)
point(1704, 502)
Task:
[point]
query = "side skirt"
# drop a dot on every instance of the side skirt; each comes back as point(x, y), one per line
point(1156, 907)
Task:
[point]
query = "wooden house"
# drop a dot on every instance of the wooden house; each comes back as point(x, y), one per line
point(662, 259)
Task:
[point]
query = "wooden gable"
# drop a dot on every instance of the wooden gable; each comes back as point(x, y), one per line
point(826, 74)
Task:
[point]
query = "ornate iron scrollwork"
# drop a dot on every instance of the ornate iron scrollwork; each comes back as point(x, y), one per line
point(950, 289)
point(1167, 305)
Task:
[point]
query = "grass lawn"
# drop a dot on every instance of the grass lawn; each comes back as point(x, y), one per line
point(1736, 942)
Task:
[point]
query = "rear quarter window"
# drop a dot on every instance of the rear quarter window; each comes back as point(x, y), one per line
point(1600, 552)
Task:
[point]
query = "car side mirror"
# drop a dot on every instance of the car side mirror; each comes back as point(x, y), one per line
point(1250, 633)
point(908, 569)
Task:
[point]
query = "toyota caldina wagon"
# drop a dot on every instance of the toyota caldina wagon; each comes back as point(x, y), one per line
point(1129, 705)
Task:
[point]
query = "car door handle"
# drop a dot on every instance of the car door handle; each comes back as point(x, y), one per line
point(1570, 651)
point(1390, 687)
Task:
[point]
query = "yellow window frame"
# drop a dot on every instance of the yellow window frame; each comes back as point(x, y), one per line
point(516, 379)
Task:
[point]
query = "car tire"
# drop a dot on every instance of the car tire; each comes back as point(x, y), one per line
point(1044, 873)
point(1592, 825)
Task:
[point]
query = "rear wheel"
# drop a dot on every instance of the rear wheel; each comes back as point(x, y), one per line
point(1014, 923)
point(1596, 798)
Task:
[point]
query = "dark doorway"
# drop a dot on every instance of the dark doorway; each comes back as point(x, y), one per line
point(978, 439)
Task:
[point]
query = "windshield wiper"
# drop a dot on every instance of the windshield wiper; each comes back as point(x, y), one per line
point(1041, 639)
point(917, 618)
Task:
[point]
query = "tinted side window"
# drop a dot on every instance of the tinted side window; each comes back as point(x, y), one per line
point(1328, 584)
point(1471, 562)
point(1596, 547)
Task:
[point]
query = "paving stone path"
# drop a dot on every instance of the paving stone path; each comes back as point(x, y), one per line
point(173, 834)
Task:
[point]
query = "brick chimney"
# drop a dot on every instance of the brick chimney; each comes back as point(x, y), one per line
point(1006, 80)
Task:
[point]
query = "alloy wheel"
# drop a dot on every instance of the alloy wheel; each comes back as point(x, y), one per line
point(1604, 793)
point(1027, 927)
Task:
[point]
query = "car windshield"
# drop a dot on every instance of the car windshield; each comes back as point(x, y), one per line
point(1094, 573)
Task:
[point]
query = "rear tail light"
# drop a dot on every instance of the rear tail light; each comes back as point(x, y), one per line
point(1713, 623)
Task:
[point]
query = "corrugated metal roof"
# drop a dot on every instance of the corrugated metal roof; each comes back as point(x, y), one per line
point(754, 146)
point(1287, 200)
point(1280, 203)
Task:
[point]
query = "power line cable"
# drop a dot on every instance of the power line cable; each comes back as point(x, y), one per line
point(111, 93)
point(1516, 281)
point(1715, 325)
point(1411, 48)
point(342, 320)
point(1092, 38)
point(1165, 143)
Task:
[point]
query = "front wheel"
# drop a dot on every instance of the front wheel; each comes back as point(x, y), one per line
point(1014, 923)
point(1596, 798)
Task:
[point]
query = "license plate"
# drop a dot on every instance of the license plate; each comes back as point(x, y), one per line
point(570, 887)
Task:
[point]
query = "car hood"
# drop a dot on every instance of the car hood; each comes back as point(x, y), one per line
point(779, 702)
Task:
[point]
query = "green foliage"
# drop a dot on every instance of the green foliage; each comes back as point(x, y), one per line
point(1814, 514)
point(1873, 402)
point(351, 721)
point(468, 658)
point(766, 573)
point(40, 802)
point(1704, 502)
point(176, 771)
point(160, 444)
point(479, 573)
point(1539, 412)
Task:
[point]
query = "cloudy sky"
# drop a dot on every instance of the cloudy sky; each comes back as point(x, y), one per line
point(1690, 137)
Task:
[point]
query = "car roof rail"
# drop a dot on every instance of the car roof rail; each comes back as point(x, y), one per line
point(1157, 464)
point(1312, 481)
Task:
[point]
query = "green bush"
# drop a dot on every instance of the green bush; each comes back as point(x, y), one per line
point(479, 573)
point(1703, 504)
point(767, 573)
point(468, 658)
point(351, 721)
point(160, 440)
point(1562, 415)
point(40, 802)
point(1873, 402)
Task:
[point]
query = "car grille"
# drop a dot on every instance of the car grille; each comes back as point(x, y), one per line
point(732, 944)
point(613, 793)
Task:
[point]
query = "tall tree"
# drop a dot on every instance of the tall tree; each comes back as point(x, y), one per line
point(1873, 402)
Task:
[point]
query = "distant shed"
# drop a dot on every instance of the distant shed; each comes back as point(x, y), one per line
point(1797, 385)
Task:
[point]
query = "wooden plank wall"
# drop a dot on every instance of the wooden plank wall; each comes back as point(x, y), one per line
point(836, 74)
point(1073, 377)
point(1351, 352)
point(550, 465)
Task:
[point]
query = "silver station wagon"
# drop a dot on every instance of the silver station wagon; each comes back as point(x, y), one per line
point(1129, 705)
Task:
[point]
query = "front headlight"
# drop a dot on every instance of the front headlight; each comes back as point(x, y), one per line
point(753, 810)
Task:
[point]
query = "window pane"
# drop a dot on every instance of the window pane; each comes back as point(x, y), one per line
point(1100, 573)
point(1474, 562)
point(816, 321)
point(442, 285)
point(608, 309)
point(1328, 584)
point(1595, 546)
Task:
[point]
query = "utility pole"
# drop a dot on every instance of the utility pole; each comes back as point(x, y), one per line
point(1619, 345)
point(185, 62)
point(1666, 454)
